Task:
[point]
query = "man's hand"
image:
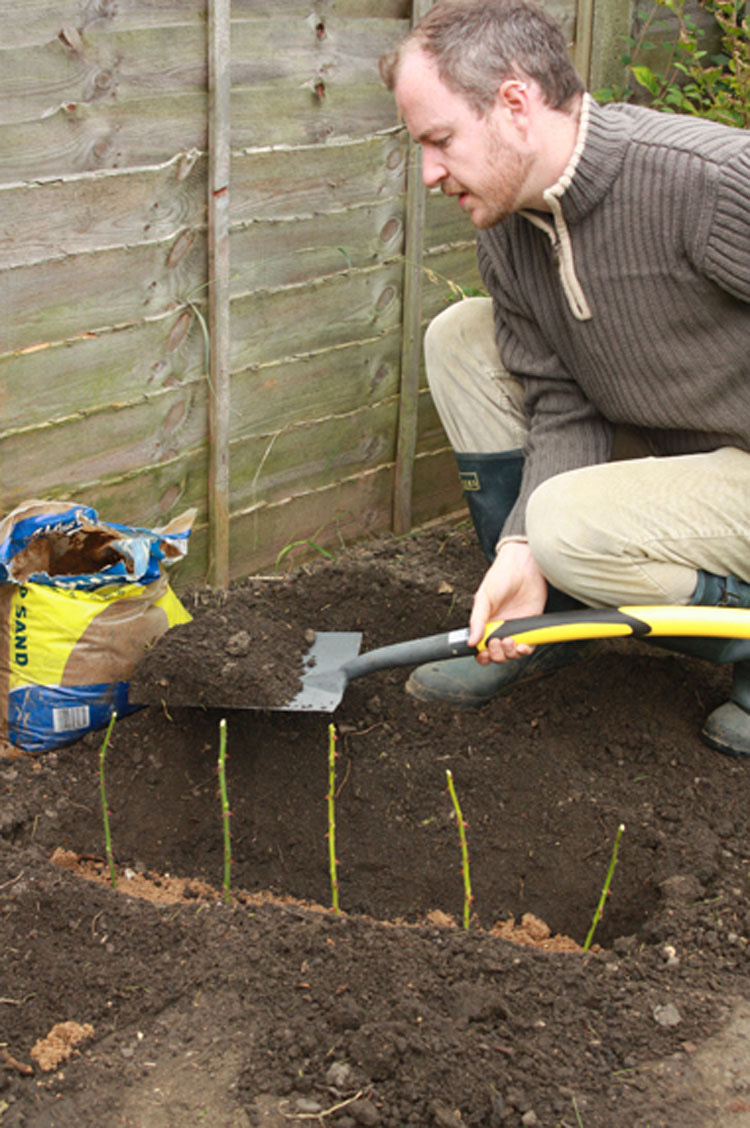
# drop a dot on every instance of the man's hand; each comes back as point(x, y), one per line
point(512, 588)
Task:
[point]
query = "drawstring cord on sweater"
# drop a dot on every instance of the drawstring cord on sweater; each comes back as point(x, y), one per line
point(558, 231)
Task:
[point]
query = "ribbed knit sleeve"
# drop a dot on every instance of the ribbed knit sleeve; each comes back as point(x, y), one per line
point(727, 253)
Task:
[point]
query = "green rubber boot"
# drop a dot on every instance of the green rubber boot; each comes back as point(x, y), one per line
point(727, 728)
point(463, 683)
point(491, 483)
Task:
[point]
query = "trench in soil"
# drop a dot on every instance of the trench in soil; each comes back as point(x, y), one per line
point(396, 834)
point(544, 775)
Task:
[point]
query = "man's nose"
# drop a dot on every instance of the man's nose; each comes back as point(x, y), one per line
point(433, 169)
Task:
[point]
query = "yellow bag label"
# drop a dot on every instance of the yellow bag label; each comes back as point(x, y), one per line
point(68, 637)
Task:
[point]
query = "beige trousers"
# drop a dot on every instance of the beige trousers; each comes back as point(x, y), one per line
point(633, 530)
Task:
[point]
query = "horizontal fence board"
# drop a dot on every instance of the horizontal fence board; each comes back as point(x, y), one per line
point(54, 300)
point(150, 496)
point(98, 370)
point(169, 430)
point(350, 510)
point(343, 9)
point(121, 66)
point(315, 455)
point(170, 350)
point(145, 205)
point(290, 252)
point(129, 365)
point(57, 299)
point(273, 51)
point(100, 67)
point(119, 440)
point(90, 385)
point(266, 326)
point(332, 382)
point(103, 135)
point(149, 131)
point(302, 181)
point(349, 307)
point(59, 217)
point(38, 21)
point(282, 116)
point(114, 442)
point(436, 487)
point(445, 222)
point(153, 495)
point(56, 296)
point(311, 456)
point(454, 265)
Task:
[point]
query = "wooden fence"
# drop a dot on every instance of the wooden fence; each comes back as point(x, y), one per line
point(280, 218)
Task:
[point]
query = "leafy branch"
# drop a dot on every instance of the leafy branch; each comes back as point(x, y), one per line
point(691, 79)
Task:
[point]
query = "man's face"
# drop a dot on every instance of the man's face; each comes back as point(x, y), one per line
point(466, 154)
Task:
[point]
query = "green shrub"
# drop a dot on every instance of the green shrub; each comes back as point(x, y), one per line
point(691, 79)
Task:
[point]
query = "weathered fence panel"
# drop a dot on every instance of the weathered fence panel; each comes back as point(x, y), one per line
point(104, 171)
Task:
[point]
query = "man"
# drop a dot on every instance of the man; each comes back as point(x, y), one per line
point(615, 244)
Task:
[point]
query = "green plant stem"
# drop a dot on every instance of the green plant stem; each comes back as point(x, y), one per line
point(605, 888)
point(579, 1122)
point(464, 849)
point(332, 859)
point(226, 814)
point(105, 811)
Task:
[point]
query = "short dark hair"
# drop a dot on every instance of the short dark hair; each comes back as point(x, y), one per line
point(477, 44)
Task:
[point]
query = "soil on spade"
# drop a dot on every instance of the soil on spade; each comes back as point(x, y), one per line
point(176, 1007)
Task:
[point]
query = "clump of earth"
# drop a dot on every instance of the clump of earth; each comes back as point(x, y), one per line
point(190, 997)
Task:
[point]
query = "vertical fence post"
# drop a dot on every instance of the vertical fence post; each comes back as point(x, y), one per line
point(411, 340)
point(219, 121)
point(584, 38)
point(604, 23)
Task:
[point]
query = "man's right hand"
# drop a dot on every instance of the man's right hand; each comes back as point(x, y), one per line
point(512, 588)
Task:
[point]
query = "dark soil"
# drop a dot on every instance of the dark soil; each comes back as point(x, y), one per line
point(270, 1010)
point(239, 649)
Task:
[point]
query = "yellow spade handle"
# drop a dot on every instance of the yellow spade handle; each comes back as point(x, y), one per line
point(647, 621)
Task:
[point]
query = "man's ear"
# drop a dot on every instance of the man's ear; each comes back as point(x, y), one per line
point(514, 102)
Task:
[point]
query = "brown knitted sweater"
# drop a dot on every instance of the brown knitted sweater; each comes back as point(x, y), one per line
point(629, 303)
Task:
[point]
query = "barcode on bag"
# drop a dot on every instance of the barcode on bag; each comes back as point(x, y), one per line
point(73, 717)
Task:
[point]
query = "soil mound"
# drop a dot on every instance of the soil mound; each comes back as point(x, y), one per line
point(268, 1008)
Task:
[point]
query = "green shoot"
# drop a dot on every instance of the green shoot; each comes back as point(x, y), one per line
point(105, 812)
point(331, 797)
point(464, 849)
point(226, 814)
point(305, 543)
point(605, 888)
point(345, 253)
point(579, 1122)
point(206, 342)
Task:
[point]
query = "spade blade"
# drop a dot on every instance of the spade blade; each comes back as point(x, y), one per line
point(325, 677)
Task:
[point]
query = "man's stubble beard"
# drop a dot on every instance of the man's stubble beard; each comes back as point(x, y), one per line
point(512, 167)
